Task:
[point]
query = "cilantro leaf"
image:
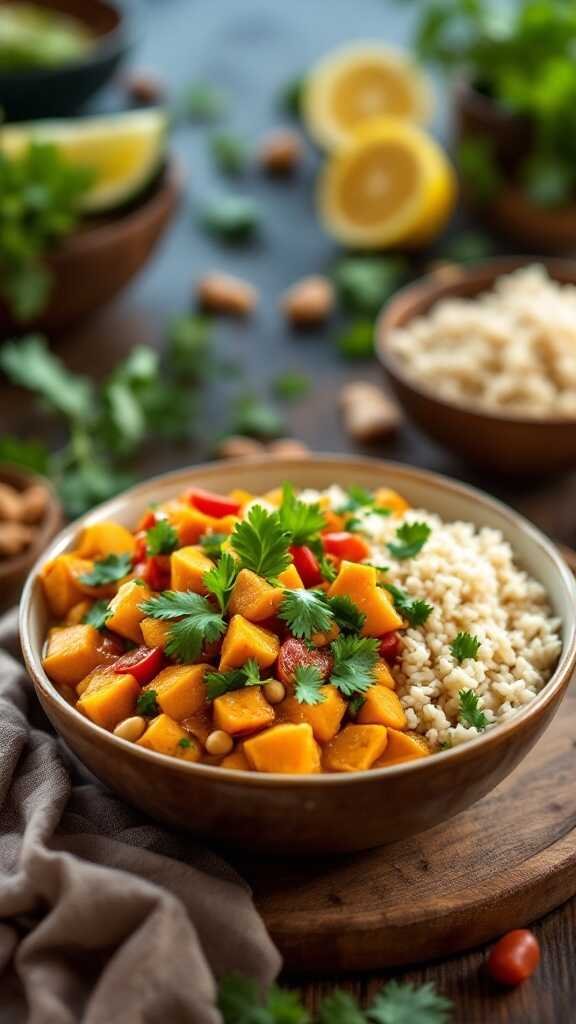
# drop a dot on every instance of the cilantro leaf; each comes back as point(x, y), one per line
point(306, 612)
point(411, 537)
point(354, 661)
point(184, 743)
point(29, 363)
point(221, 579)
point(346, 614)
point(240, 1001)
point(301, 519)
point(29, 454)
point(407, 1004)
point(256, 418)
point(358, 499)
point(162, 538)
point(291, 386)
point(231, 218)
point(218, 683)
point(108, 570)
point(465, 646)
point(326, 566)
point(364, 283)
point(308, 681)
point(146, 704)
point(261, 543)
point(355, 704)
point(292, 96)
point(340, 1008)
point(197, 622)
point(357, 340)
point(189, 345)
point(412, 608)
point(97, 615)
point(203, 102)
point(469, 712)
point(212, 543)
point(230, 153)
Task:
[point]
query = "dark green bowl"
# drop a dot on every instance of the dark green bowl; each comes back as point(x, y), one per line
point(59, 91)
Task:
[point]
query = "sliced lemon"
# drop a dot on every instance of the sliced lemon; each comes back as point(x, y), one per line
point(392, 184)
point(361, 82)
point(124, 150)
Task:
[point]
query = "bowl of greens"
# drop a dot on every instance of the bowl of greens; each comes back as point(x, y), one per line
point(55, 54)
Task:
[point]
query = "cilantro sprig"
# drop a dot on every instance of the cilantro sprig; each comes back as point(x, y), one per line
point(465, 646)
point(97, 615)
point(301, 519)
point(414, 609)
point(354, 660)
point(346, 614)
point(306, 612)
point(211, 544)
point(220, 580)
point(162, 538)
point(308, 680)
point(262, 543)
point(469, 712)
point(218, 683)
point(195, 622)
point(410, 539)
point(107, 570)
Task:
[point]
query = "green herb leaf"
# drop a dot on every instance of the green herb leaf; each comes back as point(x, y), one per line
point(465, 646)
point(256, 418)
point(261, 543)
point(221, 579)
point(147, 705)
point(108, 570)
point(365, 283)
point(326, 567)
point(29, 363)
point(292, 97)
point(402, 1003)
point(413, 609)
point(97, 615)
point(240, 1001)
point(357, 340)
point(307, 680)
point(189, 345)
point(469, 712)
point(28, 454)
point(346, 614)
point(230, 153)
point(162, 538)
point(340, 1007)
point(354, 661)
point(291, 386)
point(411, 537)
point(203, 102)
point(306, 612)
point(212, 543)
point(355, 704)
point(184, 743)
point(231, 218)
point(197, 623)
point(468, 247)
point(218, 683)
point(302, 520)
point(479, 168)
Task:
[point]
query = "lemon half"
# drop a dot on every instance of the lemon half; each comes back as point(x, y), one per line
point(391, 184)
point(361, 82)
point(124, 150)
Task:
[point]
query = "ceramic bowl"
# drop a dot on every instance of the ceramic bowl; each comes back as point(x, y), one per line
point(103, 256)
point(315, 813)
point(59, 91)
point(508, 444)
point(13, 571)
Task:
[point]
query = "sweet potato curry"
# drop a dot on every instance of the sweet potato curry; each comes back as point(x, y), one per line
point(242, 632)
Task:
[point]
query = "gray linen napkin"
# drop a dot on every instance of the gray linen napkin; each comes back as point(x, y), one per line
point(104, 916)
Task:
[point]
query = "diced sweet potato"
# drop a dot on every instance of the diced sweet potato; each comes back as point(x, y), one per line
point(237, 759)
point(60, 580)
point(254, 598)
point(78, 613)
point(73, 652)
point(359, 583)
point(188, 567)
point(102, 539)
point(290, 578)
point(155, 632)
point(242, 711)
point(165, 736)
point(241, 496)
point(109, 698)
point(180, 690)
point(290, 749)
point(385, 497)
point(245, 640)
point(324, 718)
point(126, 615)
point(199, 724)
point(356, 748)
point(382, 707)
point(192, 524)
point(383, 675)
point(402, 746)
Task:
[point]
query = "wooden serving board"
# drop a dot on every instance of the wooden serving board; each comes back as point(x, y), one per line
point(499, 865)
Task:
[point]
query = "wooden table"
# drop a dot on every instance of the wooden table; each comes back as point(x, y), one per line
point(251, 50)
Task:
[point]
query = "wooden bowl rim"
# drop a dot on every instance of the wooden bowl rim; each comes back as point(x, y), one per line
point(182, 477)
point(14, 567)
point(430, 289)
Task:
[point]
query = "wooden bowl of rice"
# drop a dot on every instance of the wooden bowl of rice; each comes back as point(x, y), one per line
point(483, 359)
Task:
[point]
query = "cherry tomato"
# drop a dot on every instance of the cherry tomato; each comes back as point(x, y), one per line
point(349, 546)
point(307, 566)
point(389, 646)
point(148, 520)
point(110, 647)
point(140, 550)
point(143, 663)
point(514, 957)
point(213, 504)
point(295, 652)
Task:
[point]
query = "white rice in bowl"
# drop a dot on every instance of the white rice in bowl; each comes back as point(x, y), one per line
point(469, 576)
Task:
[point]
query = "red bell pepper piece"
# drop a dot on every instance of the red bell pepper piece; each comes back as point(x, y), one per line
point(306, 565)
point(214, 505)
point(148, 520)
point(155, 571)
point(143, 663)
point(390, 646)
point(140, 550)
point(345, 545)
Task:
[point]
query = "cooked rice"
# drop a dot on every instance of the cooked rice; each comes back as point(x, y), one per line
point(512, 349)
point(469, 577)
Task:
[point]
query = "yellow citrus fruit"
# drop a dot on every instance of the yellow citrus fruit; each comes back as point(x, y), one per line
point(361, 82)
point(390, 185)
point(124, 150)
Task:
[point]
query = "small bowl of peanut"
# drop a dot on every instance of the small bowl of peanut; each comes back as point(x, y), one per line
point(30, 516)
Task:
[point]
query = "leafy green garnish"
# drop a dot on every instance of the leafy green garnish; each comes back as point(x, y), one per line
point(196, 622)
point(203, 102)
point(302, 520)
point(479, 168)
point(357, 340)
point(97, 615)
point(212, 543)
point(326, 567)
point(184, 743)
point(291, 385)
point(346, 614)
point(469, 712)
point(355, 704)
point(240, 1001)
point(364, 283)
point(409, 1004)
point(32, 455)
point(254, 417)
point(465, 646)
point(147, 705)
point(190, 345)
point(358, 499)
point(292, 96)
point(107, 570)
point(306, 612)
point(307, 680)
point(220, 580)
point(412, 608)
point(29, 363)
point(261, 543)
point(354, 661)
point(410, 539)
point(468, 247)
point(162, 538)
point(231, 218)
point(218, 683)
point(230, 153)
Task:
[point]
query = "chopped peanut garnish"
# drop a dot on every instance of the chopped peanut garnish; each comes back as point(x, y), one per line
point(238, 447)
point(309, 302)
point(222, 293)
point(289, 448)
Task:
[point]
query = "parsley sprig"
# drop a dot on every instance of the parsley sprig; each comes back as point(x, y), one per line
point(469, 712)
point(262, 543)
point(162, 538)
point(107, 570)
point(220, 580)
point(465, 646)
point(414, 609)
point(354, 661)
point(308, 680)
point(195, 622)
point(410, 539)
point(218, 683)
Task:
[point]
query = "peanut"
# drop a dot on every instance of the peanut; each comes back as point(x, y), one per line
point(222, 293)
point(308, 302)
point(14, 538)
point(131, 729)
point(280, 153)
point(144, 87)
point(10, 502)
point(238, 447)
point(369, 415)
point(289, 448)
point(33, 504)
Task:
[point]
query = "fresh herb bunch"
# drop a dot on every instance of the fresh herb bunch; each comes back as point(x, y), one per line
point(521, 55)
point(41, 195)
